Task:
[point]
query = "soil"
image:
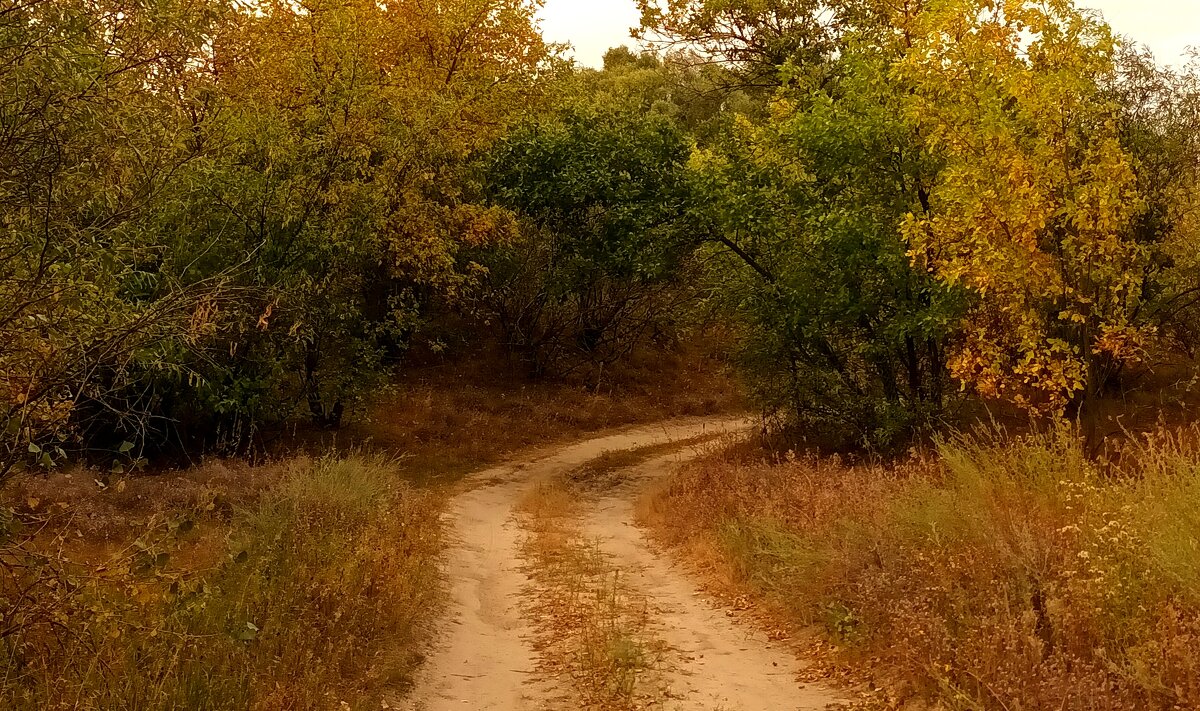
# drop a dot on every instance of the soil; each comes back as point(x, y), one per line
point(484, 658)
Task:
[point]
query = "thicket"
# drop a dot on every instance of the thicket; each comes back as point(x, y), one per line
point(216, 217)
point(603, 239)
point(942, 201)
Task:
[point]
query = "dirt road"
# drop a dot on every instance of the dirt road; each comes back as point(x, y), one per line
point(484, 659)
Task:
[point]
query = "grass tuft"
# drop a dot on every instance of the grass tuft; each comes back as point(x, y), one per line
point(592, 628)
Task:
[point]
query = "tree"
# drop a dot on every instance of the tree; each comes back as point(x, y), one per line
point(801, 205)
point(333, 187)
point(212, 213)
point(599, 194)
point(92, 134)
point(1034, 208)
point(840, 332)
point(1159, 127)
point(754, 40)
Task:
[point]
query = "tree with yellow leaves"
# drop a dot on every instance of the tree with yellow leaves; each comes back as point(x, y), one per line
point(213, 211)
point(343, 129)
point(1033, 208)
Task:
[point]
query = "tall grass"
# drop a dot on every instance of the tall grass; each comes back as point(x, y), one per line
point(314, 600)
point(1003, 573)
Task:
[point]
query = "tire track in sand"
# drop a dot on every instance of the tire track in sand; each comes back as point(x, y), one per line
point(721, 663)
point(483, 658)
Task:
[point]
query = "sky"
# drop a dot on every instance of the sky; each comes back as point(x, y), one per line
point(592, 26)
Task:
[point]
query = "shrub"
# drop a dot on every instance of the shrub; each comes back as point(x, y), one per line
point(596, 264)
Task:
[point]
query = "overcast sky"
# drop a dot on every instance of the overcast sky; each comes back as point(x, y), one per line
point(592, 26)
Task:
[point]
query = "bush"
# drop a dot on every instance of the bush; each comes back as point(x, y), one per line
point(595, 266)
point(843, 336)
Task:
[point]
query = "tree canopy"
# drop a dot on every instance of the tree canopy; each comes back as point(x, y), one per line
point(218, 216)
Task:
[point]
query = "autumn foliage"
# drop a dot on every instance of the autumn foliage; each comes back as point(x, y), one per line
point(241, 215)
point(1036, 199)
point(218, 215)
point(227, 222)
point(968, 188)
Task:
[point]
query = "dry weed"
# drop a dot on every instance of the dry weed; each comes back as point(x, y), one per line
point(1003, 573)
point(316, 596)
point(228, 559)
point(451, 421)
point(607, 470)
point(591, 627)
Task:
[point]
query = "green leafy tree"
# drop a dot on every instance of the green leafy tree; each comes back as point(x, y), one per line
point(801, 204)
point(600, 200)
point(840, 332)
point(757, 41)
point(692, 94)
point(92, 135)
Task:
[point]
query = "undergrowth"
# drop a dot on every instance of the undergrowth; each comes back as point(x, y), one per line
point(999, 573)
point(454, 419)
point(299, 583)
point(311, 597)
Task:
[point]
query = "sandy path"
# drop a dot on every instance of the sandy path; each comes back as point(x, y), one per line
point(483, 659)
point(720, 662)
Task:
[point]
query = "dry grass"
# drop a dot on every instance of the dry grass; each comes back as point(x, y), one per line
point(313, 595)
point(451, 420)
point(607, 470)
point(1001, 573)
point(591, 628)
point(336, 587)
